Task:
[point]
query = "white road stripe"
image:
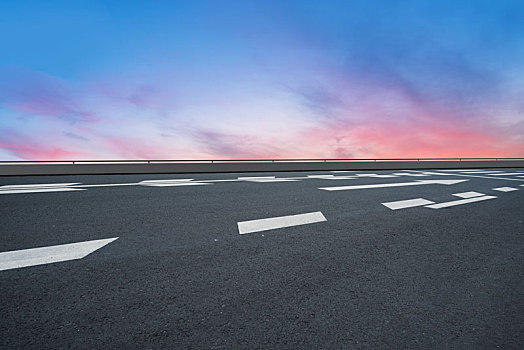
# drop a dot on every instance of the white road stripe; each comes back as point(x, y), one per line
point(320, 176)
point(165, 181)
point(270, 180)
point(341, 178)
point(409, 203)
point(408, 174)
point(255, 177)
point(459, 202)
point(481, 172)
point(110, 185)
point(40, 190)
point(441, 174)
point(46, 255)
point(470, 194)
point(505, 189)
point(398, 184)
point(10, 187)
point(505, 174)
point(279, 222)
point(479, 176)
point(172, 184)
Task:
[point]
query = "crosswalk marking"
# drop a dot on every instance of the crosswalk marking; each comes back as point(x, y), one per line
point(409, 203)
point(279, 222)
point(470, 194)
point(504, 174)
point(459, 202)
point(505, 189)
point(52, 254)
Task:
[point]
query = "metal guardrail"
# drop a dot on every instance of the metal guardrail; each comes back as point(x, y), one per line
point(168, 161)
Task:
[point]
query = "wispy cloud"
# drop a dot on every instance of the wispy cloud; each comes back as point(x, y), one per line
point(39, 94)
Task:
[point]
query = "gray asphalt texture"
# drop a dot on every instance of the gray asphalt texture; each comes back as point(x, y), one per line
point(181, 276)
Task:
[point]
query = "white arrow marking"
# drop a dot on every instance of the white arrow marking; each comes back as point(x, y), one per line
point(279, 222)
point(399, 184)
point(46, 255)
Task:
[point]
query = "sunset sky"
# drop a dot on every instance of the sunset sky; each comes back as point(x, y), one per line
point(261, 79)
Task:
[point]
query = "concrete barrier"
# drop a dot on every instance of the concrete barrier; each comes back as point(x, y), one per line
point(241, 167)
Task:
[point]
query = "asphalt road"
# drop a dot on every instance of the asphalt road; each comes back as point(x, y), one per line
point(180, 275)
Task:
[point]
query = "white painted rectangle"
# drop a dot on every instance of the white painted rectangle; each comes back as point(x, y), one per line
point(320, 176)
point(470, 194)
point(481, 172)
point(172, 184)
point(409, 203)
point(270, 180)
point(279, 222)
point(165, 181)
point(39, 185)
point(459, 202)
point(504, 174)
point(255, 177)
point(46, 255)
point(40, 190)
point(408, 174)
point(505, 189)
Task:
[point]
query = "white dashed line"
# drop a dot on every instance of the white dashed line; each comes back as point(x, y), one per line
point(401, 184)
point(459, 202)
point(468, 194)
point(408, 174)
point(505, 189)
point(40, 190)
point(481, 172)
point(417, 202)
point(46, 255)
point(10, 187)
point(279, 222)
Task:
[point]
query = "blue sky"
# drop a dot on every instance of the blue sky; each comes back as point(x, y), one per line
point(234, 79)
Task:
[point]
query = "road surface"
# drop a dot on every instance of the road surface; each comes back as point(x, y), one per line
point(343, 260)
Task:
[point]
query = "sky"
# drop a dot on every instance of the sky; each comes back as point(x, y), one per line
point(261, 79)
